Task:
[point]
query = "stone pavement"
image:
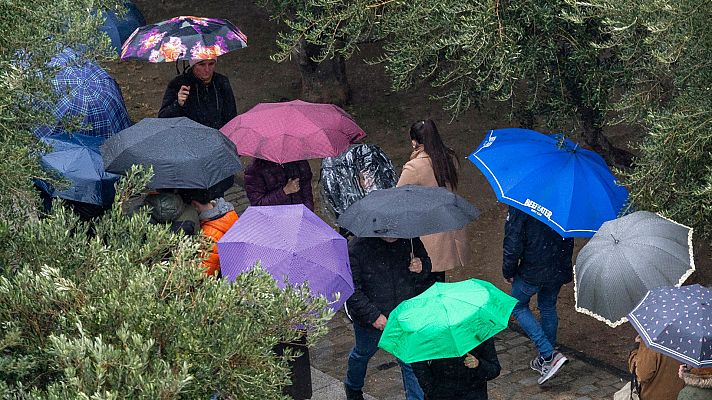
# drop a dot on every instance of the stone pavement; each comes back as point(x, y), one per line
point(577, 380)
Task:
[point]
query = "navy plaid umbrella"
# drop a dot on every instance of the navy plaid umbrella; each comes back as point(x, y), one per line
point(89, 91)
point(677, 322)
point(407, 212)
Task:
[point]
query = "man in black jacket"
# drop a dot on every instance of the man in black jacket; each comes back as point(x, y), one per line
point(204, 96)
point(200, 94)
point(537, 260)
point(384, 273)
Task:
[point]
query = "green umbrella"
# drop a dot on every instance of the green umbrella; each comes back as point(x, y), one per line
point(447, 320)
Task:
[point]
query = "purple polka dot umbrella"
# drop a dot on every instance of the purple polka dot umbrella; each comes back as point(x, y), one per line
point(183, 38)
point(677, 322)
point(291, 243)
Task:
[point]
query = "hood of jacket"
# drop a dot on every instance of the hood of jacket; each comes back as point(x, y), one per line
point(698, 377)
point(220, 208)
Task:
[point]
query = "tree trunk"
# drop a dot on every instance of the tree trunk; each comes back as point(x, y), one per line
point(593, 136)
point(323, 82)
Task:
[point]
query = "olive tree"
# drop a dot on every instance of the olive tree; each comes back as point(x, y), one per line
point(664, 77)
point(526, 54)
point(116, 307)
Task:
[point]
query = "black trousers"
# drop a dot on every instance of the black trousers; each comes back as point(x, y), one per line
point(301, 387)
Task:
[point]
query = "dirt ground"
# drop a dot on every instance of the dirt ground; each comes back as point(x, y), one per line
point(385, 116)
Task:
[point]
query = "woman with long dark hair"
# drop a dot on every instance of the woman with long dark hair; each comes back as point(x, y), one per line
point(434, 164)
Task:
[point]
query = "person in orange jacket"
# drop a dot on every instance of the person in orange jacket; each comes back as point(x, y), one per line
point(216, 217)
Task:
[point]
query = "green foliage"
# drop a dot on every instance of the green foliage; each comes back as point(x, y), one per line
point(568, 65)
point(127, 312)
point(31, 33)
point(115, 308)
point(665, 81)
point(520, 52)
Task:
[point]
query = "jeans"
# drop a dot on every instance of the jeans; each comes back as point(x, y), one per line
point(543, 332)
point(365, 347)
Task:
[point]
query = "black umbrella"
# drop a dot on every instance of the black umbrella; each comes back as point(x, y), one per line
point(184, 154)
point(407, 212)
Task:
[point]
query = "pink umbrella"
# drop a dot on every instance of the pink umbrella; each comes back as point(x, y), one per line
point(291, 131)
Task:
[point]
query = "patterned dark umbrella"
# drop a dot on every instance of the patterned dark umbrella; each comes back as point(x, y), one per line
point(86, 91)
point(407, 212)
point(183, 38)
point(184, 154)
point(677, 322)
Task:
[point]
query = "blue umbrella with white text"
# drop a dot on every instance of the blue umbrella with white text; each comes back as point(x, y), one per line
point(550, 178)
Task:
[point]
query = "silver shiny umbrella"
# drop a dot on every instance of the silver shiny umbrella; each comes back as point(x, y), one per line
point(627, 257)
point(407, 212)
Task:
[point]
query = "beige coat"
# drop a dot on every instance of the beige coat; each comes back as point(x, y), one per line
point(447, 250)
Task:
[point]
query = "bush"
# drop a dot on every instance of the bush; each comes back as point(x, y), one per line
point(127, 312)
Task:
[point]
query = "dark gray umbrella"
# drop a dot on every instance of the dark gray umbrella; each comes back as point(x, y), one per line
point(407, 212)
point(627, 257)
point(184, 154)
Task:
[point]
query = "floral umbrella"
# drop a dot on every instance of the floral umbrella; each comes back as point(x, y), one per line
point(183, 38)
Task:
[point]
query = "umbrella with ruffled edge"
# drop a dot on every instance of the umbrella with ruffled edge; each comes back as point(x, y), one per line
point(627, 257)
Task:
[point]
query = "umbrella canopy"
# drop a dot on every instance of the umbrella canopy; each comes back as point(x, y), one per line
point(407, 212)
point(183, 38)
point(184, 154)
point(677, 322)
point(447, 320)
point(552, 179)
point(120, 28)
point(292, 243)
point(627, 257)
point(291, 131)
point(77, 158)
point(86, 91)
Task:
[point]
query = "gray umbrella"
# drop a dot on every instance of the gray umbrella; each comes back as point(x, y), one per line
point(627, 257)
point(184, 154)
point(407, 212)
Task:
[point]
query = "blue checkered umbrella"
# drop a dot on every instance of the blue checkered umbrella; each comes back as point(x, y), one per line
point(89, 91)
point(677, 322)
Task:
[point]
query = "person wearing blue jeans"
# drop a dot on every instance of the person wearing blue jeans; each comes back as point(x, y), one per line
point(537, 260)
point(385, 272)
point(365, 347)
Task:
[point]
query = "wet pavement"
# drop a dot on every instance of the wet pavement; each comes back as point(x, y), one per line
point(578, 379)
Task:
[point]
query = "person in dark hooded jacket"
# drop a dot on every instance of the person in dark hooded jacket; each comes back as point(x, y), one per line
point(270, 184)
point(200, 94)
point(385, 273)
point(459, 378)
point(537, 260)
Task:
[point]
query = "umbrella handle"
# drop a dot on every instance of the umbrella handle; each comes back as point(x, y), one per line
point(412, 253)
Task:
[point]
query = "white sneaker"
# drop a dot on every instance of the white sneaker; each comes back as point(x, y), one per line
point(550, 368)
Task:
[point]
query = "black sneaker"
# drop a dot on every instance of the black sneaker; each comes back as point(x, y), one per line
point(352, 394)
point(550, 368)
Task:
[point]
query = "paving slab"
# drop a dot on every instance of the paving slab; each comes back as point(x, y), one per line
point(578, 379)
